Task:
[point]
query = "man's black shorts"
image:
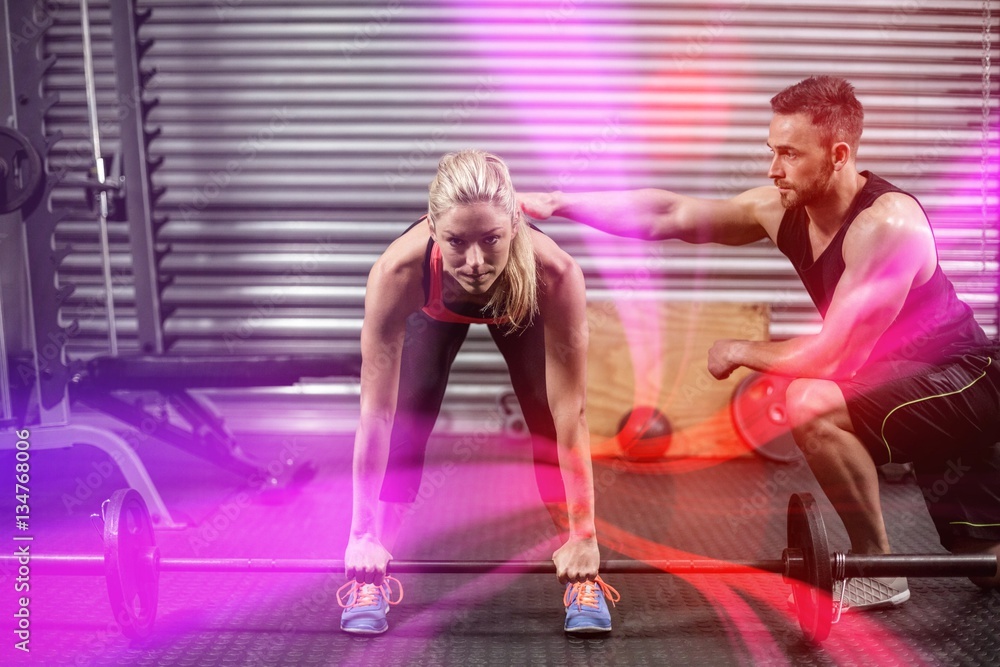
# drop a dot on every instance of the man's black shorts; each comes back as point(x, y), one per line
point(946, 421)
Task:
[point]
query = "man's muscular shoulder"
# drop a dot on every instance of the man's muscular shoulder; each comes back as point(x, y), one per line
point(893, 226)
point(762, 206)
point(893, 210)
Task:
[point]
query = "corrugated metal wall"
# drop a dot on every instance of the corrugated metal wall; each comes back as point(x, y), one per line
point(298, 139)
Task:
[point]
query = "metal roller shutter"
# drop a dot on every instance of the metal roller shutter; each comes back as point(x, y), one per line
point(298, 139)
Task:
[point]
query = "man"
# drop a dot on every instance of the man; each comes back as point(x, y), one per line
point(900, 370)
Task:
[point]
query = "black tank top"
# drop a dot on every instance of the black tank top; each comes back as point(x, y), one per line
point(933, 325)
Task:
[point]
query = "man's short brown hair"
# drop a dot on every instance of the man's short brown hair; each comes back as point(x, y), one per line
point(830, 102)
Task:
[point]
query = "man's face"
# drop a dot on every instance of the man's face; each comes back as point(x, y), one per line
point(802, 166)
point(475, 245)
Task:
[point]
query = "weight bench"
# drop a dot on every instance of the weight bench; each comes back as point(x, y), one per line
point(159, 372)
point(98, 382)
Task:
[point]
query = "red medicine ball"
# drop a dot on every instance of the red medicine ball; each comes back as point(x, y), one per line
point(644, 434)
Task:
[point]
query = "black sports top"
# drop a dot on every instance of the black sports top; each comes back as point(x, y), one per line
point(933, 325)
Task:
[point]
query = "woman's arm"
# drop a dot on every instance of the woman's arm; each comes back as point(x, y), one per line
point(564, 311)
point(393, 292)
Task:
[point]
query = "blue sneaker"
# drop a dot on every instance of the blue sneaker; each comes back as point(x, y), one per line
point(587, 607)
point(365, 606)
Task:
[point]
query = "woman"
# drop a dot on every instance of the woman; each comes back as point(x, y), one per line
point(471, 259)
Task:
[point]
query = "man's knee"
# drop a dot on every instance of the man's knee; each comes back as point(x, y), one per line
point(808, 400)
point(817, 413)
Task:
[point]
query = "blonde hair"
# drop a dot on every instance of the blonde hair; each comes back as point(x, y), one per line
point(477, 177)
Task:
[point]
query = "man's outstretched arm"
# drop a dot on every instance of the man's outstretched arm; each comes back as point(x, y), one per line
point(659, 214)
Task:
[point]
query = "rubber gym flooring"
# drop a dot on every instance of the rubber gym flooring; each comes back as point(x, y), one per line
point(485, 507)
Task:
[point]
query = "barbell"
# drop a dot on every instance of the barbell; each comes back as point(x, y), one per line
point(132, 564)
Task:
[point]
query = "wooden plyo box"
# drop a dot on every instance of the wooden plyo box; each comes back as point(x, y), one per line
point(656, 353)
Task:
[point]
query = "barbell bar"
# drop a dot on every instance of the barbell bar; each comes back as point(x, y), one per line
point(132, 563)
point(913, 565)
point(94, 565)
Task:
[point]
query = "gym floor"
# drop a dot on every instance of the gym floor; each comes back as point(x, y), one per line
point(483, 508)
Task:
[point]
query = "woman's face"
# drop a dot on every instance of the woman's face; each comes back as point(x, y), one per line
point(475, 244)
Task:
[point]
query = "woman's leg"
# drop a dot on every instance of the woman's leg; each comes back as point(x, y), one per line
point(524, 353)
point(429, 350)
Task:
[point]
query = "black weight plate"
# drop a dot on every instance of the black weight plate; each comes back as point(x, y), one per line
point(20, 170)
point(130, 562)
point(813, 594)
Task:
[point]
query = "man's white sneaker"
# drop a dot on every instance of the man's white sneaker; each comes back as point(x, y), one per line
point(861, 593)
